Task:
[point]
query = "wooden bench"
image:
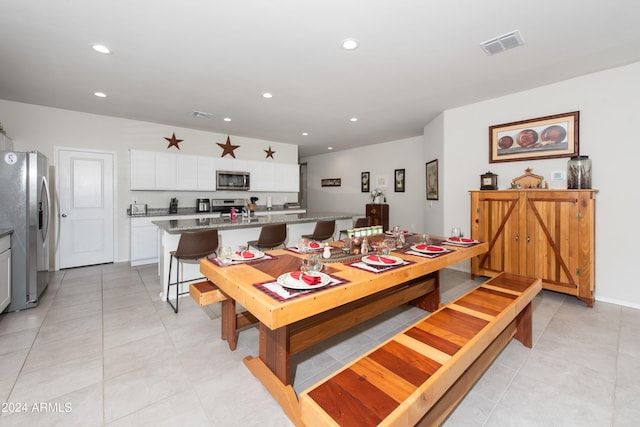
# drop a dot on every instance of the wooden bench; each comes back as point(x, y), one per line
point(421, 374)
point(206, 293)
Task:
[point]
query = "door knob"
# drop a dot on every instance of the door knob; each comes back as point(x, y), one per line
point(63, 215)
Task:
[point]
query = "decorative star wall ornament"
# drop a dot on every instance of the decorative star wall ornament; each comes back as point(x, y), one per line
point(269, 152)
point(228, 148)
point(173, 141)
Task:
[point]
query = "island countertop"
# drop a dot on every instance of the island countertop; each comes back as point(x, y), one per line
point(180, 225)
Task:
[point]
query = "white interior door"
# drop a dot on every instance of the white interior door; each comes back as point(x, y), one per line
point(86, 221)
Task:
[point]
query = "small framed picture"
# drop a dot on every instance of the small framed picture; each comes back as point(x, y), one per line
point(365, 182)
point(399, 181)
point(432, 180)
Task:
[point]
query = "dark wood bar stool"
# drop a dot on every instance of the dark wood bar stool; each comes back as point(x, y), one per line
point(271, 236)
point(360, 222)
point(323, 231)
point(192, 247)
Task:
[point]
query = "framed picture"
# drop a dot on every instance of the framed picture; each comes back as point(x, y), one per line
point(432, 180)
point(365, 183)
point(542, 138)
point(331, 182)
point(399, 181)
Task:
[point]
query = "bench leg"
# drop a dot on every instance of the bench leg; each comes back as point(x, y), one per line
point(524, 327)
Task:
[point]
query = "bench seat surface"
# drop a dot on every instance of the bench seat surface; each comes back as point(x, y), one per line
point(408, 373)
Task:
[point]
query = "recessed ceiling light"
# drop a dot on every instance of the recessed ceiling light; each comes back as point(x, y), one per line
point(350, 44)
point(267, 95)
point(353, 119)
point(101, 48)
point(329, 148)
point(100, 94)
point(227, 119)
point(305, 133)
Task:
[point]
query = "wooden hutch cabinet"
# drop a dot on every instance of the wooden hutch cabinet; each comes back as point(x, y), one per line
point(379, 214)
point(538, 233)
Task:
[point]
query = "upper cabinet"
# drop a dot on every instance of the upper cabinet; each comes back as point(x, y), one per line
point(151, 170)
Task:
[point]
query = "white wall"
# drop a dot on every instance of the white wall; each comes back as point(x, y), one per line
point(609, 105)
point(381, 160)
point(39, 128)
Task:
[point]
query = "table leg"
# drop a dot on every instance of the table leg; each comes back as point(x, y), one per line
point(275, 351)
point(229, 323)
point(430, 301)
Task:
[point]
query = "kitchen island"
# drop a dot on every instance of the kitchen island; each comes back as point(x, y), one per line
point(237, 233)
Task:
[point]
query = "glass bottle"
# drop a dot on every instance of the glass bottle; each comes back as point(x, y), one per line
point(579, 172)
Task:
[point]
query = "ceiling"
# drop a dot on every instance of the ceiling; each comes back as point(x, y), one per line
point(416, 59)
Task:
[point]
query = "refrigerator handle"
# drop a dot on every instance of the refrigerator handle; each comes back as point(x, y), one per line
point(45, 186)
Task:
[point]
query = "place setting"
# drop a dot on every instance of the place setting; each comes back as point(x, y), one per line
point(305, 246)
point(457, 239)
point(226, 256)
point(309, 278)
point(380, 260)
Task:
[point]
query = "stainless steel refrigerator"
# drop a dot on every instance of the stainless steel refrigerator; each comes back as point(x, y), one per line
point(25, 207)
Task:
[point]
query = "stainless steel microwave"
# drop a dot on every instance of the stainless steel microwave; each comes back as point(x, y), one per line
point(232, 180)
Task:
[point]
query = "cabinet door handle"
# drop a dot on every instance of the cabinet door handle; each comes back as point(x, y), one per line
point(528, 239)
point(517, 237)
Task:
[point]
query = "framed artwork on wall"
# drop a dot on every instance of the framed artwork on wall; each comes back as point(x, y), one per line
point(432, 180)
point(365, 183)
point(542, 138)
point(331, 182)
point(399, 181)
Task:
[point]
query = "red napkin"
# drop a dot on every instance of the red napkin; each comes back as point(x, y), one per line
point(245, 254)
point(454, 239)
point(314, 245)
point(376, 258)
point(421, 247)
point(435, 248)
point(309, 280)
point(464, 240)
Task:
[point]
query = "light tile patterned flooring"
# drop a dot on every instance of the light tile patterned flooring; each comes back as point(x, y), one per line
point(102, 349)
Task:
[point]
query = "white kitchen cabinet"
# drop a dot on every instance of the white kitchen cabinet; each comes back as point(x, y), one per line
point(166, 171)
point(187, 172)
point(261, 175)
point(142, 170)
point(144, 241)
point(286, 178)
point(5, 272)
point(206, 173)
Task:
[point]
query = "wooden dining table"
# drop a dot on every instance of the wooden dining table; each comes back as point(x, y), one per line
point(291, 324)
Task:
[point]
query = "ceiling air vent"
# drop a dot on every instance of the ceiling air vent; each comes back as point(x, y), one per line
point(502, 43)
point(201, 115)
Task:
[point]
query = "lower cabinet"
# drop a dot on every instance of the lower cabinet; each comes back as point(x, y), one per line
point(5, 272)
point(538, 233)
point(379, 214)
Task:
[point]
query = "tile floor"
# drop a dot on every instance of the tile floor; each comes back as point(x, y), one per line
point(102, 350)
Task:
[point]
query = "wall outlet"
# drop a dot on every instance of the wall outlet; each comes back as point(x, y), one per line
point(557, 175)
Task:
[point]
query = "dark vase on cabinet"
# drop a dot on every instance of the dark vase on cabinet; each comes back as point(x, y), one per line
point(378, 214)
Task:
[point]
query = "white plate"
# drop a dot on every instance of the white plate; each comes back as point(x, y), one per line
point(256, 255)
point(462, 242)
point(289, 282)
point(396, 260)
point(427, 251)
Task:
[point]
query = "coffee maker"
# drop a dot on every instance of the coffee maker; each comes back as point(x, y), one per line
point(203, 205)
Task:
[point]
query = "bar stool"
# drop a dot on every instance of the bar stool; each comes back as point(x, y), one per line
point(323, 230)
point(192, 247)
point(360, 222)
point(271, 236)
